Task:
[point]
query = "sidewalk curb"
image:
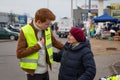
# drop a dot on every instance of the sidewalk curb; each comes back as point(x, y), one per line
point(6, 40)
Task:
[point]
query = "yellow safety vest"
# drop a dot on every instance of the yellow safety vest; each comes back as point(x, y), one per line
point(49, 44)
point(112, 78)
point(31, 61)
point(92, 28)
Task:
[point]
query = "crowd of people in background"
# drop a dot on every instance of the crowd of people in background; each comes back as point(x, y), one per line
point(105, 31)
point(108, 29)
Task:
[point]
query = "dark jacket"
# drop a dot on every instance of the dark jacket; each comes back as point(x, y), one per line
point(76, 63)
point(87, 42)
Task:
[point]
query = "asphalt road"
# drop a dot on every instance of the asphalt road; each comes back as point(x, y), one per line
point(9, 67)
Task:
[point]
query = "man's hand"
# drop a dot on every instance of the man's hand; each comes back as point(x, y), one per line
point(41, 42)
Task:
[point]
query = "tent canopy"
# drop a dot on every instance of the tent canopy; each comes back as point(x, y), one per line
point(119, 20)
point(104, 18)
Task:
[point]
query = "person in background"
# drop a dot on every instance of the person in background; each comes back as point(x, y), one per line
point(52, 27)
point(87, 41)
point(87, 27)
point(76, 58)
point(92, 30)
point(99, 32)
point(34, 49)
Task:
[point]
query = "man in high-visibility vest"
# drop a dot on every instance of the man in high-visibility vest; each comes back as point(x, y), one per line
point(34, 49)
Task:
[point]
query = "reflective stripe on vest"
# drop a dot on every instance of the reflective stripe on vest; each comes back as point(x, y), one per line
point(49, 44)
point(29, 62)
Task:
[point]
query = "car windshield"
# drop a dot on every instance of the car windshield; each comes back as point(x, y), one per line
point(7, 29)
point(10, 30)
point(12, 26)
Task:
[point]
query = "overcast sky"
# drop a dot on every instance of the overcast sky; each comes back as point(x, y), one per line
point(61, 8)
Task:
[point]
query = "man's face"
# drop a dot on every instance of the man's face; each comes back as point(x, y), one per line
point(43, 25)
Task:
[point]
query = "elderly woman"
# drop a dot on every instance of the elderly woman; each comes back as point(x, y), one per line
point(76, 58)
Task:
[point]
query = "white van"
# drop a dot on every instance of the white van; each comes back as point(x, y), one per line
point(64, 25)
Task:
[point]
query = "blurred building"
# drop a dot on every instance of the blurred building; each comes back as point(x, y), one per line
point(13, 19)
point(115, 10)
point(4, 17)
point(80, 14)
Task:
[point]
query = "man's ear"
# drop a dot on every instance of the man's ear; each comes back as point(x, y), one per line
point(38, 22)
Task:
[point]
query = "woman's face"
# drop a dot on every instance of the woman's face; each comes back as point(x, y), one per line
point(71, 39)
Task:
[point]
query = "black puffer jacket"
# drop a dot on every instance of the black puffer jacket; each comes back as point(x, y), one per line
point(76, 63)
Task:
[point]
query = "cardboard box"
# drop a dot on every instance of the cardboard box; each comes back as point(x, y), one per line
point(116, 38)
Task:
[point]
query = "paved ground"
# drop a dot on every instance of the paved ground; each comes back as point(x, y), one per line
point(104, 59)
point(106, 47)
point(116, 67)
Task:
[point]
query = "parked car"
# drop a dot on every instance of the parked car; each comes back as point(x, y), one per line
point(12, 28)
point(8, 34)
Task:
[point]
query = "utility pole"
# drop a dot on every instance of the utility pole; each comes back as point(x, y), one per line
point(85, 4)
point(72, 12)
point(89, 10)
point(47, 3)
point(72, 9)
point(89, 20)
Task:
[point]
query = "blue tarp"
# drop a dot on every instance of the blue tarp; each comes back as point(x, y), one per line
point(104, 18)
point(119, 20)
